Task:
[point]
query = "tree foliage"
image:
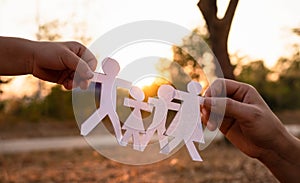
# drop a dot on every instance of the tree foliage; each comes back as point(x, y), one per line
point(280, 87)
point(56, 105)
point(192, 60)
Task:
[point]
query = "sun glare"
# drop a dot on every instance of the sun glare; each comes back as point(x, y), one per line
point(147, 81)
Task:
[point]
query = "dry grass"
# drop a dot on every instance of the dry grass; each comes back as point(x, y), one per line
point(12, 128)
point(222, 163)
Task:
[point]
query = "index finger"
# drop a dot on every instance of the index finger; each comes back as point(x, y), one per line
point(84, 53)
point(90, 59)
point(227, 88)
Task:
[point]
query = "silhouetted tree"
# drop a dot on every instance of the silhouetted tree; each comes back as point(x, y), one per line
point(219, 30)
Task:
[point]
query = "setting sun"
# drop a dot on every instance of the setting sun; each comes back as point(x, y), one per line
point(147, 81)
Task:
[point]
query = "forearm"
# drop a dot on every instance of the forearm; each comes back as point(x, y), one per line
point(284, 162)
point(16, 56)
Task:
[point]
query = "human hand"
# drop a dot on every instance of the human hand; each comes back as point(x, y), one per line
point(252, 127)
point(248, 122)
point(57, 62)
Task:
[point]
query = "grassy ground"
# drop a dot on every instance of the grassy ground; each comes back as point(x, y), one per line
point(222, 163)
point(11, 128)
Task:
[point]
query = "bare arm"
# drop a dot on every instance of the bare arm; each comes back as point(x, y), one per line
point(16, 56)
point(50, 61)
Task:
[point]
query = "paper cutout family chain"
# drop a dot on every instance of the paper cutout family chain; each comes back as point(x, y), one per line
point(186, 126)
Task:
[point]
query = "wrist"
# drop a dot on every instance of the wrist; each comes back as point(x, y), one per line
point(281, 142)
point(284, 161)
point(288, 148)
point(30, 56)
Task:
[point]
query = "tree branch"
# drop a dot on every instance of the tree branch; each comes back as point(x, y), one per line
point(209, 11)
point(230, 13)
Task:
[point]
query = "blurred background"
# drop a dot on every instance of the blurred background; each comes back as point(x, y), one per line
point(254, 42)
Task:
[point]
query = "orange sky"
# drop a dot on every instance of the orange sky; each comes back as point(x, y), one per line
point(260, 30)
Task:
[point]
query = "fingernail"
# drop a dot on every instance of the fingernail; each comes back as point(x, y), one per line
point(213, 102)
point(90, 74)
point(211, 126)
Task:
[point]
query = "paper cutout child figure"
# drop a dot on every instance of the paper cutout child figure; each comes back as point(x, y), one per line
point(162, 104)
point(134, 124)
point(187, 125)
point(109, 84)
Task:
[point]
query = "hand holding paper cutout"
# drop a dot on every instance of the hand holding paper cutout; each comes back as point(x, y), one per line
point(50, 61)
point(252, 127)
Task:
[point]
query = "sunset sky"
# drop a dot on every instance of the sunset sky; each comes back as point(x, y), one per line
point(260, 30)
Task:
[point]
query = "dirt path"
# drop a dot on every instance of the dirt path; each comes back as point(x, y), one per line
point(52, 143)
point(56, 143)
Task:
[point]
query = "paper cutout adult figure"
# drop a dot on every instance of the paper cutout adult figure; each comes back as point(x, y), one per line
point(162, 104)
point(109, 84)
point(187, 126)
point(134, 124)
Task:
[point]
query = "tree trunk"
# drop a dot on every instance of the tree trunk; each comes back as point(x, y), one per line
point(220, 49)
point(219, 31)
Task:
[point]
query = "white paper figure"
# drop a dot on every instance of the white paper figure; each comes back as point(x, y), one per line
point(109, 84)
point(134, 124)
point(162, 104)
point(187, 126)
